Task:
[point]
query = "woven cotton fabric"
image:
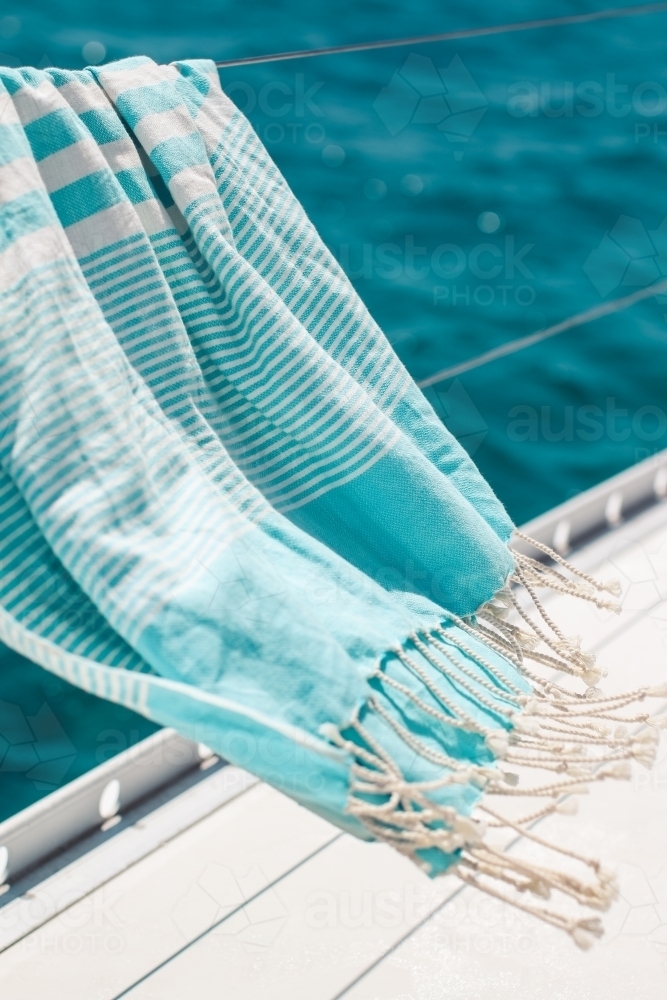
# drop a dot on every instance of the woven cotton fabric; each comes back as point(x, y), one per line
point(224, 502)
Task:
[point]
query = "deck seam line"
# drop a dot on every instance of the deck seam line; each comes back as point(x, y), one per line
point(218, 923)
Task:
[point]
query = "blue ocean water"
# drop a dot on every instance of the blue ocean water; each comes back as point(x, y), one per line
point(474, 191)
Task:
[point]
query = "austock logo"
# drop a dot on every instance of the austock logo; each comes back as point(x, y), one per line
point(641, 910)
point(34, 745)
point(459, 414)
point(421, 94)
point(244, 908)
point(628, 257)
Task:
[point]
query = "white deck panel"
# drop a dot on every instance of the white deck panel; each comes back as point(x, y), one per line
point(261, 899)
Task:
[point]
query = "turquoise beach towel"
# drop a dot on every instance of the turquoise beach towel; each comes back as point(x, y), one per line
point(226, 505)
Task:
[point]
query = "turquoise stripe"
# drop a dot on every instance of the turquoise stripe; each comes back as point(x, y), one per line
point(90, 631)
point(25, 214)
point(61, 77)
point(195, 72)
point(174, 155)
point(13, 143)
point(33, 77)
point(53, 132)
point(111, 248)
point(139, 258)
point(104, 125)
point(136, 185)
point(12, 80)
point(191, 97)
point(162, 191)
point(142, 101)
point(86, 197)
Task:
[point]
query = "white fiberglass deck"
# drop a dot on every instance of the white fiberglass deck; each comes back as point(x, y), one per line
point(257, 899)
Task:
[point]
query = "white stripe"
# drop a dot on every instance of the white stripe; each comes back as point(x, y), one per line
point(119, 80)
point(154, 217)
point(121, 154)
point(310, 496)
point(84, 96)
point(102, 228)
point(28, 253)
point(33, 102)
point(70, 164)
point(152, 128)
point(18, 177)
point(334, 462)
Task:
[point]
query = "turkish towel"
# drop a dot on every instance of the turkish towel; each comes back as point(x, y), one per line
point(225, 504)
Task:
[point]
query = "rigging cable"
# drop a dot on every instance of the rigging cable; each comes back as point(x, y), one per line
point(605, 309)
point(450, 36)
point(589, 315)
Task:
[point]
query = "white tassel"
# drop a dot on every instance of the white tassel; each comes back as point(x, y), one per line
point(582, 773)
point(471, 831)
point(586, 932)
point(498, 742)
point(648, 736)
point(644, 753)
point(621, 770)
point(568, 807)
point(528, 726)
point(531, 706)
point(539, 888)
point(570, 645)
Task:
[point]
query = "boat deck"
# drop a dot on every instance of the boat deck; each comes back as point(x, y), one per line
point(221, 887)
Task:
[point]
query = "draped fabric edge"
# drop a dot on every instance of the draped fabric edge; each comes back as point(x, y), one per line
point(549, 728)
point(580, 737)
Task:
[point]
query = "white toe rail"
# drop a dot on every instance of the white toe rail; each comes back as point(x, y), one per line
point(601, 508)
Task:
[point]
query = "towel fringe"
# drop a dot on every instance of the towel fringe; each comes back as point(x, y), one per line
point(580, 737)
